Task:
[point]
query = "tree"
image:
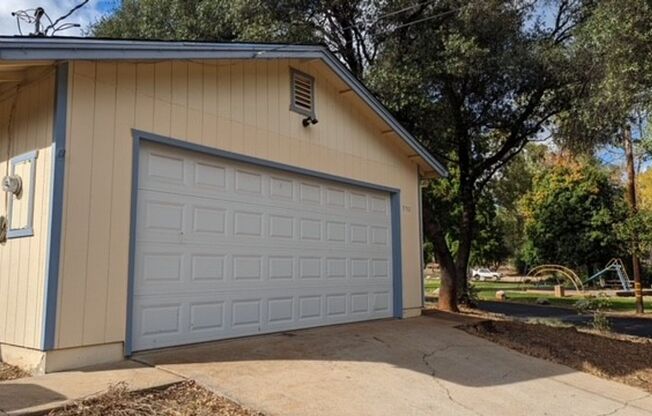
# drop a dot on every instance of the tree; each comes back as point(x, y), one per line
point(508, 188)
point(476, 84)
point(618, 40)
point(475, 81)
point(644, 182)
point(572, 213)
point(174, 20)
point(352, 29)
point(490, 247)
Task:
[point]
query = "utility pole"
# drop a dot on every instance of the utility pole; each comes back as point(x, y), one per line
point(631, 188)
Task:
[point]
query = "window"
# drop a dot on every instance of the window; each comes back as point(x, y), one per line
point(20, 212)
point(302, 100)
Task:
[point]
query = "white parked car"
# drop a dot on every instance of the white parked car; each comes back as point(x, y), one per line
point(483, 274)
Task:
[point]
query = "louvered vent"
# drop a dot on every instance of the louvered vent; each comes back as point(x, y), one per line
point(303, 95)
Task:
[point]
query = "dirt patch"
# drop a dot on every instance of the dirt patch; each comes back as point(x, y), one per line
point(9, 372)
point(625, 361)
point(183, 399)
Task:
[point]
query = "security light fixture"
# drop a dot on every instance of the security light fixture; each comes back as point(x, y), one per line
point(309, 120)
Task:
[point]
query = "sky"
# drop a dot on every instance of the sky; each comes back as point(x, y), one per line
point(54, 8)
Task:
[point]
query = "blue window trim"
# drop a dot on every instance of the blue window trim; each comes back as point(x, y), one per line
point(53, 245)
point(142, 136)
point(28, 229)
point(25, 157)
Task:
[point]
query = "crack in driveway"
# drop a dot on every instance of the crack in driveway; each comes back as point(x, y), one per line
point(433, 373)
point(624, 406)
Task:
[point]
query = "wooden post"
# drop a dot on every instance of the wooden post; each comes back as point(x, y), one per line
point(631, 188)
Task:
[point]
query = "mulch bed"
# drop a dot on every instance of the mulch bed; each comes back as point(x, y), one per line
point(624, 360)
point(9, 372)
point(183, 399)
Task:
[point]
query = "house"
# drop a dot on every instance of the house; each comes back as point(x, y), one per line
point(165, 193)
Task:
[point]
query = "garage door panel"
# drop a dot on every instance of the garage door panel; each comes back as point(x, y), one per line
point(199, 271)
point(202, 267)
point(227, 249)
point(210, 179)
point(214, 316)
point(230, 199)
point(204, 288)
point(163, 215)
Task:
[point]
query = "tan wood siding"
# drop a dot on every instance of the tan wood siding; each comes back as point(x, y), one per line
point(240, 106)
point(26, 118)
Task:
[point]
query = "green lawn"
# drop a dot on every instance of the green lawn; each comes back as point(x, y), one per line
point(516, 292)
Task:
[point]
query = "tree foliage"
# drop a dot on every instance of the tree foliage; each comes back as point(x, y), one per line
point(352, 29)
point(571, 215)
point(615, 46)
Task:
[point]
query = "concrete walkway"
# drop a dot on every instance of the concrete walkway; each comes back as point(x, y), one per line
point(38, 395)
point(421, 366)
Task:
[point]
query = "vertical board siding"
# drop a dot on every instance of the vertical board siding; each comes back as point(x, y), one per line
point(239, 106)
point(26, 121)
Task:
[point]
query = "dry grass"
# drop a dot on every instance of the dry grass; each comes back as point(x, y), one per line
point(183, 399)
point(9, 372)
point(628, 361)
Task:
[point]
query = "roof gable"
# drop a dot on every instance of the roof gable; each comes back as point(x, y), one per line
point(28, 49)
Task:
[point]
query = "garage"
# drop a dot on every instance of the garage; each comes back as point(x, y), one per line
point(226, 248)
point(187, 192)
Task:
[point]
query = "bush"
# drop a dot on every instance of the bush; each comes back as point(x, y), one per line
point(600, 321)
point(597, 306)
point(592, 303)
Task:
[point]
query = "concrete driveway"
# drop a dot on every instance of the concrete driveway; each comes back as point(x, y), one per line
point(420, 366)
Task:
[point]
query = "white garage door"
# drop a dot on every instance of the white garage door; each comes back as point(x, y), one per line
point(227, 249)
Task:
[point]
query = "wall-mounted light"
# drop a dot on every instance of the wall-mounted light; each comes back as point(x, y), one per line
point(309, 120)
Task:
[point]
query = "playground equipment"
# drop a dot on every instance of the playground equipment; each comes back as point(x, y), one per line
point(616, 265)
point(556, 269)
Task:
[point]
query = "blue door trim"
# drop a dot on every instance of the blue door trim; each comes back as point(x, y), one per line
point(140, 136)
point(53, 245)
point(397, 257)
point(132, 240)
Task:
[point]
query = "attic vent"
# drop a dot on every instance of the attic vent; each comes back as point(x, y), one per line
point(303, 94)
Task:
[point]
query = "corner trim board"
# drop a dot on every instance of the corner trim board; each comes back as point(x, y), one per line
point(142, 136)
point(53, 245)
point(128, 347)
point(397, 263)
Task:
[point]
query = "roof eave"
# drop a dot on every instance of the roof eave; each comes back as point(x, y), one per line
point(25, 49)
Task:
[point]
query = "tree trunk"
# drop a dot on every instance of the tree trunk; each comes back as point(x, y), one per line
point(631, 188)
point(449, 282)
point(447, 291)
point(464, 250)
